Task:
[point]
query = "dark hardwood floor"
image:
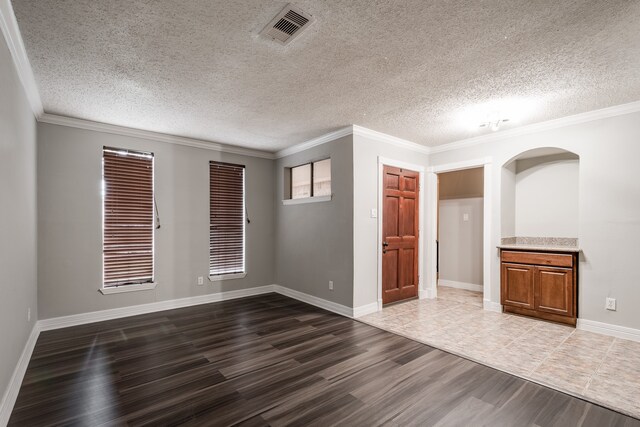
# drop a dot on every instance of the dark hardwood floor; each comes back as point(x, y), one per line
point(271, 360)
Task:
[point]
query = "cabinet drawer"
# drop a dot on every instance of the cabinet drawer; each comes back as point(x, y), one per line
point(538, 258)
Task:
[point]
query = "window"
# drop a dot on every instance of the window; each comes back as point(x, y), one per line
point(128, 220)
point(301, 181)
point(311, 180)
point(226, 219)
point(322, 178)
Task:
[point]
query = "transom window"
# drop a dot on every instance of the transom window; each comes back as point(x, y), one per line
point(311, 180)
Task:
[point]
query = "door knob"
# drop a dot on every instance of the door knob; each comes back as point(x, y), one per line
point(384, 247)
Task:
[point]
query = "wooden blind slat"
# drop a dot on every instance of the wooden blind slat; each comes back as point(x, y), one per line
point(128, 217)
point(226, 218)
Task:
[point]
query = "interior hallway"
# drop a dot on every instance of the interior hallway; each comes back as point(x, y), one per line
point(599, 368)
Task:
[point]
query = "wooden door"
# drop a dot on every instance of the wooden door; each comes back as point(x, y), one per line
point(553, 287)
point(400, 234)
point(517, 285)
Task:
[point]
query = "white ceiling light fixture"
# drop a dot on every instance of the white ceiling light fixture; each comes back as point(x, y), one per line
point(495, 113)
point(494, 121)
point(287, 25)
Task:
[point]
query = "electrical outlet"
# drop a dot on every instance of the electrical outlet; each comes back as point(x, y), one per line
point(465, 217)
point(200, 281)
point(29, 314)
point(610, 304)
point(330, 285)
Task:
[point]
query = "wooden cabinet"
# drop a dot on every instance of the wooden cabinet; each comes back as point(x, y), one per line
point(554, 291)
point(519, 292)
point(540, 284)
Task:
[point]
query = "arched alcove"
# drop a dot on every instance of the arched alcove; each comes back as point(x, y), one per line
point(540, 194)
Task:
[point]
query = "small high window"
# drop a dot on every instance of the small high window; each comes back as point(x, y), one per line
point(311, 180)
point(322, 178)
point(301, 181)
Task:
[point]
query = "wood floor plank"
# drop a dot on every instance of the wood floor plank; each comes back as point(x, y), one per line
point(270, 360)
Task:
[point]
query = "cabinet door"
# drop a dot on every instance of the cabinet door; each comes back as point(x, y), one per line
point(554, 290)
point(517, 285)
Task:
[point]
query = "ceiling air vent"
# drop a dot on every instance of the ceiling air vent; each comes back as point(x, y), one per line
point(287, 25)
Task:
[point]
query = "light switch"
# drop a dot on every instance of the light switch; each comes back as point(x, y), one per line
point(465, 217)
point(374, 213)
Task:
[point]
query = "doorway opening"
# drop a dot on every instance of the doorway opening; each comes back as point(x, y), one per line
point(460, 236)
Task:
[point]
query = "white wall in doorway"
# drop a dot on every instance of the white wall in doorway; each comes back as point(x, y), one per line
point(460, 240)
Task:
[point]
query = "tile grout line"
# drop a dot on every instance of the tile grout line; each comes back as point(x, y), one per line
point(519, 338)
point(512, 340)
point(595, 372)
point(551, 353)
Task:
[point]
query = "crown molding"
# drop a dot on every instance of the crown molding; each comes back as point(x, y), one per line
point(589, 116)
point(352, 130)
point(153, 136)
point(617, 110)
point(11, 32)
point(323, 139)
point(383, 137)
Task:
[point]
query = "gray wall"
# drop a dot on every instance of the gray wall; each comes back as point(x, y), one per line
point(508, 200)
point(18, 261)
point(547, 196)
point(70, 221)
point(460, 240)
point(608, 212)
point(314, 242)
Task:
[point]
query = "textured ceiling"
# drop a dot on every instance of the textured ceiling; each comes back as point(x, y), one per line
point(426, 71)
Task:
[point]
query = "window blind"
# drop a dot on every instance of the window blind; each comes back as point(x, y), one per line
point(128, 217)
point(226, 219)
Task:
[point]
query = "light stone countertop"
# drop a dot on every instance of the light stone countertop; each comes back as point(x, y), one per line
point(541, 248)
point(548, 244)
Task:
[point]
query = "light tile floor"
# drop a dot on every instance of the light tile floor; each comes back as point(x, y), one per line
point(598, 368)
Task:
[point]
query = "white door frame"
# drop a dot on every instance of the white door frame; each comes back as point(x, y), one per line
point(385, 161)
point(432, 209)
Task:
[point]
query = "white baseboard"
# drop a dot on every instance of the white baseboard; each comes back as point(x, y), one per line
point(608, 329)
point(427, 293)
point(318, 302)
point(11, 393)
point(492, 306)
point(461, 285)
point(363, 310)
point(116, 313)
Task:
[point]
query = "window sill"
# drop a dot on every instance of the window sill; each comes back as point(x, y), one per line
point(227, 277)
point(127, 288)
point(306, 200)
